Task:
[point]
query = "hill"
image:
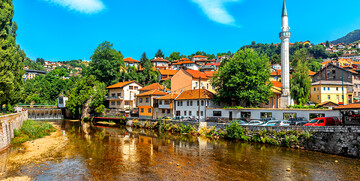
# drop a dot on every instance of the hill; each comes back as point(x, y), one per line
point(349, 38)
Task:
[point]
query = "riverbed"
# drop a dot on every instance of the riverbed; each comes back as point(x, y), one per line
point(119, 153)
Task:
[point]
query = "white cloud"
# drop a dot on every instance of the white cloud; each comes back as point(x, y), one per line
point(83, 6)
point(216, 11)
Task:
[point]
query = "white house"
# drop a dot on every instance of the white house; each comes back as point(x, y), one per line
point(122, 95)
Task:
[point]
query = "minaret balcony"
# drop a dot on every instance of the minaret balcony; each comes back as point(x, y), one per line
point(285, 34)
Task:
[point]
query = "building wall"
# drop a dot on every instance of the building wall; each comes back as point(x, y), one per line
point(144, 112)
point(278, 114)
point(7, 125)
point(319, 95)
point(194, 108)
point(127, 95)
point(181, 81)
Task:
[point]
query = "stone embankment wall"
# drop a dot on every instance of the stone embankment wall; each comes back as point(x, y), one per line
point(7, 125)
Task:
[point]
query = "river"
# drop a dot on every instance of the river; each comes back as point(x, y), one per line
point(119, 153)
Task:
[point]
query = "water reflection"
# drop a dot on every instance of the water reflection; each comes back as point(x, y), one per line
point(136, 154)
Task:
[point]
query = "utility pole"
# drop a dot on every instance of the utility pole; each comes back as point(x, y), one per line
point(199, 97)
point(342, 75)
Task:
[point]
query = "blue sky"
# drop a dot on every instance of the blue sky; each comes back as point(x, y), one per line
point(72, 29)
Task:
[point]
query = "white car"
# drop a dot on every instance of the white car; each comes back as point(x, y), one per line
point(284, 123)
point(254, 123)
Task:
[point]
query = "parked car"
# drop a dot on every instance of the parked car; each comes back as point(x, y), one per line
point(271, 123)
point(284, 123)
point(241, 122)
point(166, 118)
point(299, 121)
point(322, 121)
point(254, 123)
point(337, 120)
point(266, 119)
point(178, 118)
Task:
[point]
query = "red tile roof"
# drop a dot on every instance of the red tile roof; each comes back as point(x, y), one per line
point(194, 94)
point(196, 74)
point(185, 62)
point(154, 86)
point(200, 56)
point(168, 97)
point(152, 93)
point(349, 106)
point(167, 72)
point(216, 64)
point(159, 60)
point(203, 60)
point(184, 59)
point(276, 83)
point(129, 59)
point(276, 72)
point(122, 84)
point(209, 73)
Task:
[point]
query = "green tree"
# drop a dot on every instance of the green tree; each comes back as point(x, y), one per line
point(159, 54)
point(300, 55)
point(175, 56)
point(148, 74)
point(12, 59)
point(275, 59)
point(106, 63)
point(243, 79)
point(315, 65)
point(300, 83)
point(40, 60)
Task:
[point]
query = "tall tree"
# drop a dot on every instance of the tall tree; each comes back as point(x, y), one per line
point(300, 83)
point(175, 56)
point(106, 63)
point(243, 79)
point(40, 60)
point(149, 75)
point(11, 64)
point(159, 54)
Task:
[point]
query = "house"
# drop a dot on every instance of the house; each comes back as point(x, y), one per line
point(145, 102)
point(188, 64)
point(122, 95)
point(160, 63)
point(221, 58)
point(154, 86)
point(198, 57)
point(167, 74)
point(188, 80)
point(274, 101)
point(30, 74)
point(165, 106)
point(187, 103)
point(204, 61)
point(215, 65)
point(129, 62)
point(276, 66)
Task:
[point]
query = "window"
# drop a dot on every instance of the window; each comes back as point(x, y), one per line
point(333, 71)
point(140, 100)
point(163, 111)
point(314, 89)
point(118, 103)
point(127, 103)
point(324, 88)
point(142, 109)
point(147, 99)
point(266, 115)
point(329, 97)
point(131, 87)
point(289, 115)
point(181, 103)
point(119, 94)
point(245, 114)
point(316, 115)
point(328, 88)
point(318, 88)
point(207, 86)
point(149, 110)
point(202, 103)
point(191, 103)
point(216, 113)
point(113, 95)
point(167, 102)
point(178, 103)
point(184, 113)
point(168, 111)
point(160, 102)
point(337, 88)
point(189, 113)
point(188, 103)
point(201, 113)
point(113, 103)
point(136, 87)
point(318, 97)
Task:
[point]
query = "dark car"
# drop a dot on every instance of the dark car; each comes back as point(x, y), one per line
point(300, 121)
point(265, 120)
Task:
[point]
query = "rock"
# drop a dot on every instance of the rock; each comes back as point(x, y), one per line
point(288, 169)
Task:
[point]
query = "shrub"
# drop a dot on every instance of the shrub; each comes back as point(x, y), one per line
point(31, 130)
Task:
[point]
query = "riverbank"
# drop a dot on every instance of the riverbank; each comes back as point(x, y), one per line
point(38, 151)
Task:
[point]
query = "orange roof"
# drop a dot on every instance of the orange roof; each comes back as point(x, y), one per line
point(349, 106)
point(187, 61)
point(121, 84)
point(202, 60)
point(168, 97)
point(159, 60)
point(311, 72)
point(209, 73)
point(326, 62)
point(200, 56)
point(184, 59)
point(167, 72)
point(194, 94)
point(129, 59)
point(154, 86)
point(152, 93)
point(276, 72)
point(356, 63)
point(276, 83)
point(196, 74)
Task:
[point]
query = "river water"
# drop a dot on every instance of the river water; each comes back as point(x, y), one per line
point(119, 153)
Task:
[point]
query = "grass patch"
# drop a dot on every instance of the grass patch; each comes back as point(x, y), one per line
point(31, 130)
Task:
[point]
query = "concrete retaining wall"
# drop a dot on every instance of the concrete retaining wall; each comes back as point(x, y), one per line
point(7, 125)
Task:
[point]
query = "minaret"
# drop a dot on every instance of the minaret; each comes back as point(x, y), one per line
point(285, 77)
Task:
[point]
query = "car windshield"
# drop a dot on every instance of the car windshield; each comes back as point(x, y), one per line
point(314, 121)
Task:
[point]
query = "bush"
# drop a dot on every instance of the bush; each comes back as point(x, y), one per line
point(236, 131)
point(31, 130)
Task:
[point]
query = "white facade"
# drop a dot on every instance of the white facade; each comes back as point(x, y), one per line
point(123, 97)
point(190, 108)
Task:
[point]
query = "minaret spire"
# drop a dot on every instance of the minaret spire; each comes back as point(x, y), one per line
point(284, 11)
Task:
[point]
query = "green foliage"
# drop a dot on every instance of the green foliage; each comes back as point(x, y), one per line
point(243, 79)
point(236, 131)
point(106, 63)
point(148, 75)
point(159, 54)
point(32, 65)
point(300, 83)
point(210, 56)
point(349, 38)
point(175, 56)
point(233, 107)
point(31, 130)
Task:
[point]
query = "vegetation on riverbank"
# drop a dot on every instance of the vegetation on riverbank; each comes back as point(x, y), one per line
point(31, 130)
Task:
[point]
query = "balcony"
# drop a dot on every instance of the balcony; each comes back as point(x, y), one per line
point(165, 106)
point(114, 97)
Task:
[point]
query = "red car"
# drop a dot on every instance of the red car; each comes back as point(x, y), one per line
point(324, 121)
